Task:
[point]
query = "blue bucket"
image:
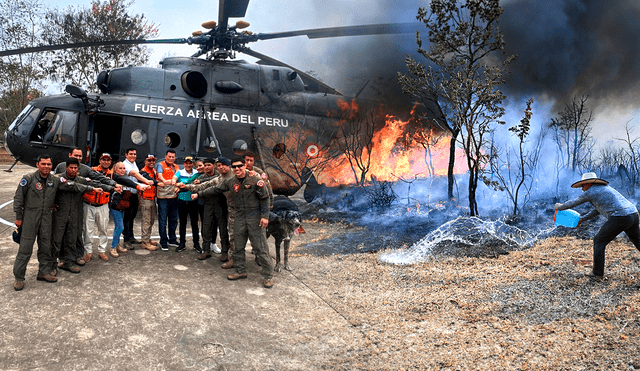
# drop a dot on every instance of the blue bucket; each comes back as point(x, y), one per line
point(567, 218)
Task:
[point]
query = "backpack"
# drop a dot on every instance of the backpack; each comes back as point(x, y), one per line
point(119, 201)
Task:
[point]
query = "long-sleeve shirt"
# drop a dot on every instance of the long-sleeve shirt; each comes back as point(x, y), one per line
point(606, 201)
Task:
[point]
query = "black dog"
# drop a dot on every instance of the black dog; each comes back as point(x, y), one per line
point(284, 220)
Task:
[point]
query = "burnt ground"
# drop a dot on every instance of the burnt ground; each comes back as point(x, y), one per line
point(339, 309)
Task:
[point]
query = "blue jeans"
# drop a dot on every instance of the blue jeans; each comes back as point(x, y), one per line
point(167, 211)
point(118, 226)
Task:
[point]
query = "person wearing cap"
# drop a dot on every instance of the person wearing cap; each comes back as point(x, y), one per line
point(68, 214)
point(96, 214)
point(186, 206)
point(86, 172)
point(251, 199)
point(147, 204)
point(622, 216)
point(214, 211)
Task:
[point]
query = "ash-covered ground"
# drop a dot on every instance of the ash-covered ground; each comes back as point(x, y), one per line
point(422, 231)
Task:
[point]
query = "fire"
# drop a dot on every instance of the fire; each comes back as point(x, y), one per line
point(391, 158)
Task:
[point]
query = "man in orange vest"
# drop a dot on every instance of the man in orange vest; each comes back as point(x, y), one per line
point(167, 201)
point(148, 207)
point(96, 214)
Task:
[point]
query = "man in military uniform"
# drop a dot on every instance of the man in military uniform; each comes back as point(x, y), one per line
point(251, 200)
point(67, 215)
point(215, 211)
point(85, 172)
point(32, 204)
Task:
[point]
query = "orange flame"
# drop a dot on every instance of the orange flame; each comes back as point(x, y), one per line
point(390, 160)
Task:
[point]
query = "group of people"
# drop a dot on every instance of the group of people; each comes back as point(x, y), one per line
point(63, 208)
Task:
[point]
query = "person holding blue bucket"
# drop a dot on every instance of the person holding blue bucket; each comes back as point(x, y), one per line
point(622, 216)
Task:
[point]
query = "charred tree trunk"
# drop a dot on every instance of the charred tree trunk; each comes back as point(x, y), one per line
point(452, 162)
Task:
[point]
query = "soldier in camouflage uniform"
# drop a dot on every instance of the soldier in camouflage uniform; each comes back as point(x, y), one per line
point(251, 201)
point(32, 204)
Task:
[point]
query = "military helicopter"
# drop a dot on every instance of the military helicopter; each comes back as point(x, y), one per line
point(201, 107)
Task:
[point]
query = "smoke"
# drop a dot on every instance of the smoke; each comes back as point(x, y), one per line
point(574, 47)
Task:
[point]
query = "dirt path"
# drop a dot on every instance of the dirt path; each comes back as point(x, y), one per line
point(531, 309)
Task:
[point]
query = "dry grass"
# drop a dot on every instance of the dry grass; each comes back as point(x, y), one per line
point(531, 309)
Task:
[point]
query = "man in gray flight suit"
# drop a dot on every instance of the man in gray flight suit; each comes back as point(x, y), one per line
point(251, 200)
point(85, 172)
point(32, 204)
point(67, 215)
point(215, 211)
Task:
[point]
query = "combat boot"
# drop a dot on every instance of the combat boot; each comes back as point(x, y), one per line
point(18, 285)
point(69, 267)
point(236, 276)
point(267, 283)
point(46, 277)
point(228, 264)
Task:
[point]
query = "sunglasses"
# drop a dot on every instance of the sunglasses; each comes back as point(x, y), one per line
point(236, 166)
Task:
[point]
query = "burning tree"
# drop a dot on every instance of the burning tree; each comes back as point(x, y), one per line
point(357, 128)
point(572, 133)
point(460, 88)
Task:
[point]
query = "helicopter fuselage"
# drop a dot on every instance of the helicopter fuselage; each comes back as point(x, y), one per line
point(200, 108)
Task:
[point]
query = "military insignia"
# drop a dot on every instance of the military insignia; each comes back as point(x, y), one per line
point(50, 184)
point(23, 182)
point(236, 187)
point(63, 179)
point(247, 186)
point(261, 184)
point(39, 186)
point(264, 176)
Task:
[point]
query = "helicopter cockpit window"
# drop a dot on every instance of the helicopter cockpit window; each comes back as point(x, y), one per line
point(25, 120)
point(63, 126)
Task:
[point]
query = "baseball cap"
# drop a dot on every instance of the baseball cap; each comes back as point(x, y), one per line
point(188, 158)
point(150, 156)
point(224, 161)
point(105, 155)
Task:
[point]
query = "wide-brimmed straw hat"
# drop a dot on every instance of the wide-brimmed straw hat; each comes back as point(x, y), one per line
point(588, 178)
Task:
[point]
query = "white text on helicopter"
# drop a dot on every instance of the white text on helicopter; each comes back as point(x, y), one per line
point(211, 115)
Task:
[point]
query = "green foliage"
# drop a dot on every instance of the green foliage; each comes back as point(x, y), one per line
point(103, 21)
point(20, 75)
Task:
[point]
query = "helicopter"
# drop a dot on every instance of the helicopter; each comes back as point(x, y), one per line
point(200, 107)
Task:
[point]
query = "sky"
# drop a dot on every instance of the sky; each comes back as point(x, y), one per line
point(565, 48)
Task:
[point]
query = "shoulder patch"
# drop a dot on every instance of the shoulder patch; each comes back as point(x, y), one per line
point(23, 182)
point(236, 187)
point(260, 184)
point(39, 186)
point(63, 179)
point(264, 176)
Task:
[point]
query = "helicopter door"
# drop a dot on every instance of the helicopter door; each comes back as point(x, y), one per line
point(105, 136)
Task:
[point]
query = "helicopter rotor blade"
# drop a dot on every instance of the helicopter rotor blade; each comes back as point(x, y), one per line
point(230, 9)
point(371, 29)
point(310, 80)
point(44, 48)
